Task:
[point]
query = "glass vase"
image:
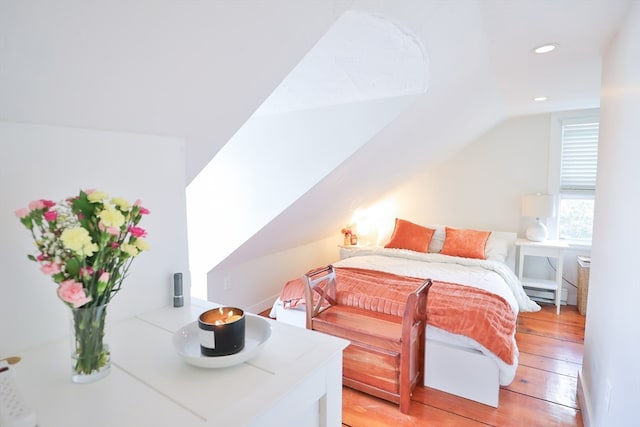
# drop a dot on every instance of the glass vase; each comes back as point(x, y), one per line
point(90, 356)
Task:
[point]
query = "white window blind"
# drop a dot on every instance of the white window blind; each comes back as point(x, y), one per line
point(579, 158)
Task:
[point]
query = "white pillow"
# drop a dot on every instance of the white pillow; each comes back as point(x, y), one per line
point(497, 249)
point(438, 238)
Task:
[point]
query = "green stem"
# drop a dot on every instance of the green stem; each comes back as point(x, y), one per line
point(91, 354)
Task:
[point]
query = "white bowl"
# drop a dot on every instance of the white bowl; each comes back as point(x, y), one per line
point(187, 343)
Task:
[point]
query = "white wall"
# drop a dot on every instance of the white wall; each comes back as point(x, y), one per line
point(255, 284)
point(482, 185)
point(54, 163)
point(268, 164)
point(610, 372)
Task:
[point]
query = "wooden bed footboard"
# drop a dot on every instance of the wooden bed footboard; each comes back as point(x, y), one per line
point(386, 354)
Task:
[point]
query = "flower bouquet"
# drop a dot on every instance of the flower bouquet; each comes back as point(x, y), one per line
point(348, 234)
point(86, 244)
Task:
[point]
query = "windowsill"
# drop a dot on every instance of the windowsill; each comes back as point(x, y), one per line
point(577, 245)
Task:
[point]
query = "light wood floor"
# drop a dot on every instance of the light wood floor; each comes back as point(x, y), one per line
point(542, 394)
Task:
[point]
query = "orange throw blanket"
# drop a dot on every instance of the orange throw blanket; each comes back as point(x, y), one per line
point(464, 310)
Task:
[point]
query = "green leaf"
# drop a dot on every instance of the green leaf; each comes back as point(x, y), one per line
point(83, 205)
point(26, 220)
point(73, 266)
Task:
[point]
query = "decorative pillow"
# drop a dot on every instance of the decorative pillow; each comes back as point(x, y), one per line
point(497, 249)
point(438, 238)
point(465, 243)
point(407, 235)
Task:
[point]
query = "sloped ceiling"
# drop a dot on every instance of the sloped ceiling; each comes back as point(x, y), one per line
point(198, 70)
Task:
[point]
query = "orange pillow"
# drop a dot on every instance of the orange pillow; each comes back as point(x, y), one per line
point(465, 243)
point(407, 235)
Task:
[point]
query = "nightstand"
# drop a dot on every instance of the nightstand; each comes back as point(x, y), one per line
point(548, 249)
point(347, 251)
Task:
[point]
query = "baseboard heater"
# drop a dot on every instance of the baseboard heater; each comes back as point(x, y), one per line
point(546, 296)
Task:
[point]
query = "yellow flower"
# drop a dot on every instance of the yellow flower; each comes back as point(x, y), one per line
point(111, 218)
point(130, 250)
point(97, 196)
point(78, 240)
point(122, 203)
point(142, 245)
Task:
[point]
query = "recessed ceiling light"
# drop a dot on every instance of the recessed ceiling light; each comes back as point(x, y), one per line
point(540, 98)
point(546, 48)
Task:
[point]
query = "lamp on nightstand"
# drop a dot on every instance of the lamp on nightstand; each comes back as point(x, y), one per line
point(538, 206)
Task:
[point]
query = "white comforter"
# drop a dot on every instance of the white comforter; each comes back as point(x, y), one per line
point(492, 276)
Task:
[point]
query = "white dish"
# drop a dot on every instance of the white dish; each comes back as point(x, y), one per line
point(187, 343)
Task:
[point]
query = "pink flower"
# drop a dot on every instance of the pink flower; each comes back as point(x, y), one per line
point(114, 231)
point(104, 277)
point(21, 213)
point(143, 210)
point(86, 271)
point(50, 268)
point(137, 231)
point(48, 203)
point(36, 204)
point(50, 215)
point(73, 293)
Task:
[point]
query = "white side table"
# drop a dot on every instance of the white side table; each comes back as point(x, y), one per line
point(295, 380)
point(547, 249)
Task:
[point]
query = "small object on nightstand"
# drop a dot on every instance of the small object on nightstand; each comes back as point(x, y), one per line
point(354, 239)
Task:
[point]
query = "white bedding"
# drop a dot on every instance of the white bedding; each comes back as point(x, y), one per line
point(492, 276)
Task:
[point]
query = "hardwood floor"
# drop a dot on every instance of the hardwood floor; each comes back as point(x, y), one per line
point(543, 392)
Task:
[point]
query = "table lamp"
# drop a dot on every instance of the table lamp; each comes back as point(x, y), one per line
point(538, 206)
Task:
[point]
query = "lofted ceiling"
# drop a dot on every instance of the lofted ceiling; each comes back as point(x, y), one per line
point(198, 70)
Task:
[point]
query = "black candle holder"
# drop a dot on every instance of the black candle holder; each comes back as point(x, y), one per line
point(222, 331)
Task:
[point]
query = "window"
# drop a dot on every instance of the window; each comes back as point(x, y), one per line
point(577, 184)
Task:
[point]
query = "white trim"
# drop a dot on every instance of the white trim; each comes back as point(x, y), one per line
point(583, 400)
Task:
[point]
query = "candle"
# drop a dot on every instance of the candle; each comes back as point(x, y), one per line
point(222, 331)
point(221, 316)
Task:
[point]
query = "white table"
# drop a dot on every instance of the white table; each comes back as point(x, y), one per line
point(547, 249)
point(295, 380)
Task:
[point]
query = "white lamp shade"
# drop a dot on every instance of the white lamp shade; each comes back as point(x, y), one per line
point(539, 205)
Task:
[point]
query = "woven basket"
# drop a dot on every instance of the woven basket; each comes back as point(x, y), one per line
point(584, 265)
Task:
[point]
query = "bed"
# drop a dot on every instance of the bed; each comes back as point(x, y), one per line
point(483, 260)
